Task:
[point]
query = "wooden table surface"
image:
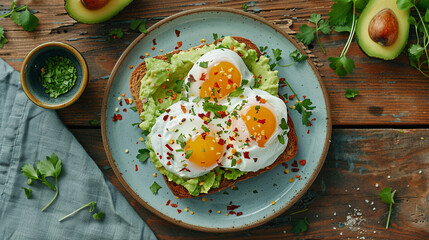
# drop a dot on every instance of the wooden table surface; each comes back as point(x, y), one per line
point(380, 138)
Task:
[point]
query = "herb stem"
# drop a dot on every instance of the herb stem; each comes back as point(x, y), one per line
point(425, 40)
point(300, 211)
point(388, 217)
point(318, 40)
point(286, 65)
point(75, 211)
point(352, 31)
point(56, 194)
point(296, 95)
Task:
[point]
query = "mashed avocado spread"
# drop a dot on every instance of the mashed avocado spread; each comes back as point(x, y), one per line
point(162, 86)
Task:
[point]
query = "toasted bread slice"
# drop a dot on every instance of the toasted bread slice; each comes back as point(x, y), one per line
point(180, 191)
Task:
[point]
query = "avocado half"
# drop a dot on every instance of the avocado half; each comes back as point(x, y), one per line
point(377, 48)
point(77, 10)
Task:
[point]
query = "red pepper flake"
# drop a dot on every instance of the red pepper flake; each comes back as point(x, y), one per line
point(232, 207)
point(179, 44)
point(185, 169)
point(174, 96)
point(246, 155)
point(163, 86)
point(298, 176)
point(221, 141)
point(308, 131)
point(295, 169)
point(124, 110)
point(239, 213)
point(201, 115)
point(165, 118)
point(314, 119)
point(177, 33)
point(169, 148)
point(203, 76)
point(302, 162)
point(216, 73)
point(119, 116)
point(120, 103)
point(282, 79)
point(179, 211)
point(295, 164)
point(304, 97)
point(222, 114)
point(262, 121)
point(258, 98)
point(153, 47)
point(137, 168)
point(168, 203)
point(291, 97)
point(114, 118)
point(154, 41)
point(173, 205)
point(216, 85)
point(160, 100)
point(204, 135)
point(255, 159)
point(210, 211)
point(231, 212)
point(168, 163)
point(230, 81)
point(229, 146)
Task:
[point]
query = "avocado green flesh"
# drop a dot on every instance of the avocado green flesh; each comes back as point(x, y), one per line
point(372, 48)
point(80, 13)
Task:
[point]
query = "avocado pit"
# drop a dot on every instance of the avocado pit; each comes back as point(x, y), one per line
point(94, 4)
point(384, 27)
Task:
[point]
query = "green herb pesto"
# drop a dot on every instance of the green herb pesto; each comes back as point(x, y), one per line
point(58, 76)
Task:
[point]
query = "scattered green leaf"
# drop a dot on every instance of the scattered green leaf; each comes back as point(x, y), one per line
point(204, 64)
point(308, 34)
point(155, 188)
point(351, 93)
point(93, 122)
point(133, 108)
point(3, 39)
point(237, 92)
point(91, 205)
point(138, 24)
point(143, 155)
point(300, 226)
point(386, 195)
point(116, 33)
point(98, 216)
point(27, 192)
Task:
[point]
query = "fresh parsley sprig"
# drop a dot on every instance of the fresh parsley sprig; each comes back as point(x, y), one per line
point(138, 24)
point(91, 205)
point(308, 34)
point(296, 56)
point(51, 167)
point(303, 107)
point(386, 196)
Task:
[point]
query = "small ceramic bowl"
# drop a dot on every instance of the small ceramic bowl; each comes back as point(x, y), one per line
point(31, 69)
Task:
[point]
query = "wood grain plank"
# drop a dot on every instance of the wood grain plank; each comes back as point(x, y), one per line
point(391, 92)
point(342, 202)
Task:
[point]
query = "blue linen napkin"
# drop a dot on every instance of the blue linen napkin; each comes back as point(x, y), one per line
point(29, 133)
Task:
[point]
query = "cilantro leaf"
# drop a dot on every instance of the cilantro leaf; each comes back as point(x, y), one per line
point(196, 99)
point(237, 92)
point(155, 187)
point(277, 54)
point(386, 195)
point(27, 192)
point(3, 39)
point(213, 107)
point(306, 34)
point(93, 122)
point(340, 13)
point(351, 93)
point(281, 138)
point(135, 23)
point(28, 171)
point(300, 225)
point(51, 167)
point(116, 33)
point(415, 51)
point(98, 216)
point(178, 86)
point(25, 19)
point(342, 65)
point(215, 36)
point(133, 108)
point(305, 117)
point(143, 155)
point(324, 27)
point(297, 56)
point(283, 125)
point(181, 141)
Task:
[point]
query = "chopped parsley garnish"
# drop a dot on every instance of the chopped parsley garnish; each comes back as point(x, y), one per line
point(197, 99)
point(215, 36)
point(27, 192)
point(181, 141)
point(58, 75)
point(188, 153)
point(281, 139)
point(155, 187)
point(116, 33)
point(204, 64)
point(134, 109)
point(169, 57)
point(244, 82)
point(213, 107)
point(140, 24)
point(300, 225)
point(233, 162)
point(178, 86)
point(143, 155)
point(237, 92)
point(206, 129)
point(283, 125)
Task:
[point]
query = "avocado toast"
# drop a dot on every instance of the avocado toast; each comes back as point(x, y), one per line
point(179, 189)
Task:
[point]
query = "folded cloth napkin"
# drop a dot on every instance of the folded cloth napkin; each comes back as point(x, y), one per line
point(29, 133)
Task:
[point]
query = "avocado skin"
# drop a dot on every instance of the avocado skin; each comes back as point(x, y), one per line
point(76, 10)
point(376, 50)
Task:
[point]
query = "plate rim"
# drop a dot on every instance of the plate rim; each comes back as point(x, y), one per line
point(179, 222)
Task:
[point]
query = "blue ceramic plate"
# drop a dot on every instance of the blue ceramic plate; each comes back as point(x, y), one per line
point(254, 197)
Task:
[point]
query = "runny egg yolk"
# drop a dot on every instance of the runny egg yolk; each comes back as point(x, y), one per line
point(206, 151)
point(223, 78)
point(260, 122)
